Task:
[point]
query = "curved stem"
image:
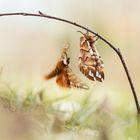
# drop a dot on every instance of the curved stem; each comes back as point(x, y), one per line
point(40, 14)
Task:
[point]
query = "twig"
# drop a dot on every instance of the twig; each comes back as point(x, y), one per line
point(40, 14)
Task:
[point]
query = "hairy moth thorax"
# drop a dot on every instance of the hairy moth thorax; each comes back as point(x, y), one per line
point(90, 62)
point(63, 73)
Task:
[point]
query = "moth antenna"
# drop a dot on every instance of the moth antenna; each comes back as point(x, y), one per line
point(97, 37)
point(81, 33)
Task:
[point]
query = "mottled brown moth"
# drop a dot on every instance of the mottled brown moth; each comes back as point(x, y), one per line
point(90, 62)
point(64, 75)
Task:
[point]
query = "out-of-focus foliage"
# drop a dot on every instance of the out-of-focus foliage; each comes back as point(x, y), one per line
point(35, 115)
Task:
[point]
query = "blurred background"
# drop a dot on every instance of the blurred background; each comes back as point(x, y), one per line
point(30, 46)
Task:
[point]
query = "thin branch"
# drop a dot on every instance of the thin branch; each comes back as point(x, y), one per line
point(40, 14)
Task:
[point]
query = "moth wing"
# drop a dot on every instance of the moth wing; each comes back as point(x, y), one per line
point(75, 81)
point(55, 71)
point(52, 74)
point(91, 64)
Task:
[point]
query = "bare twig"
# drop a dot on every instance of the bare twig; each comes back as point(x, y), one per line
point(40, 14)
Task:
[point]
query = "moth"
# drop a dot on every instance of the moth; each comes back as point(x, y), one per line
point(64, 75)
point(90, 61)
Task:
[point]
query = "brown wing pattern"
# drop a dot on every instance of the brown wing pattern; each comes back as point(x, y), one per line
point(64, 75)
point(74, 81)
point(90, 62)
